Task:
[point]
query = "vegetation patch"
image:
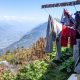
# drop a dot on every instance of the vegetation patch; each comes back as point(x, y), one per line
point(35, 64)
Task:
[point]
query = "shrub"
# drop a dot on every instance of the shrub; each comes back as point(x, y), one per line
point(67, 65)
point(8, 76)
point(33, 71)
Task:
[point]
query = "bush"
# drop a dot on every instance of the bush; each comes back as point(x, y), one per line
point(8, 76)
point(33, 71)
point(67, 65)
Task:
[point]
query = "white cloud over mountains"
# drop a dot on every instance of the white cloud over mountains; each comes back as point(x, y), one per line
point(15, 18)
point(22, 19)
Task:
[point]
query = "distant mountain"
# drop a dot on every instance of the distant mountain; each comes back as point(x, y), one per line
point(30, 38)
point(12, 31)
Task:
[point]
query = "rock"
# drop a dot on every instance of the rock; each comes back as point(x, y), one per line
point(76, 54)
point(78, 76)
point(77, 69)
point(73, 77)
point(8, 66)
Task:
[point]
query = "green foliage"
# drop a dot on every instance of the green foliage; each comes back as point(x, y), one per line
point(51, 56)
point(40, 70)
point(7, 51)
point(67, 65)
point(33, 71)
point(55, 74)
point(66, 49)
point(8, 57)
point(66, 53)
point(8, 76)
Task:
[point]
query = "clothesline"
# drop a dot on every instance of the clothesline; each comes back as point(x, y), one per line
point(67, 27)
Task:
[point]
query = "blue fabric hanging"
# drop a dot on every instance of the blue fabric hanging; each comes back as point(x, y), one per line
point(67, 19)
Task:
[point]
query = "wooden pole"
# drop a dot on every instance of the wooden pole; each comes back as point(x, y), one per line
point(61, 4)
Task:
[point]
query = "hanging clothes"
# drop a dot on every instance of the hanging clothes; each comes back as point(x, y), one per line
point(77, 19)
point(68, 29)
point(54, 29)
point(57, 30)
point(50, 36)
point(57, 27)
point(65, 34)
point(67, 19)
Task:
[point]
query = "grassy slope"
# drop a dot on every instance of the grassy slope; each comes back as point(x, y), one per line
point(51, 73)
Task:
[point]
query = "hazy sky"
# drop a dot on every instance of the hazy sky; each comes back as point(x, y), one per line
point(20, 16)
point(30, 10)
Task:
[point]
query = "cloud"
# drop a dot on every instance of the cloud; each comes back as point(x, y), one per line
point(8, 18)
point(22, 18)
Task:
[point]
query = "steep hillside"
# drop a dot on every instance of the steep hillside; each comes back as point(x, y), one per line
point(30, 38)
point(11, 32)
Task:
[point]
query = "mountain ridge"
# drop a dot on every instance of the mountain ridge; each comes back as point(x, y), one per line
point(28, 39)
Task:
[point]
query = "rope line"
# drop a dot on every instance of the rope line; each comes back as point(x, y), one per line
point(46, 11)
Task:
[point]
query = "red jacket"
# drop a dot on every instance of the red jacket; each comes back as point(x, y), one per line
point(65, 34)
